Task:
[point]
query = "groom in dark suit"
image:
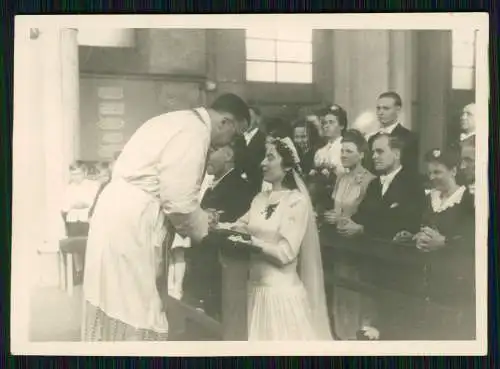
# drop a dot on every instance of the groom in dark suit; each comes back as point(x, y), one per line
point(389, 105)
point(391, 210)
point(230, 195)
point(393, 202)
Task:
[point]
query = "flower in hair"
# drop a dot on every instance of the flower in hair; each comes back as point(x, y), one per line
point(436, 153)
point(291, 147)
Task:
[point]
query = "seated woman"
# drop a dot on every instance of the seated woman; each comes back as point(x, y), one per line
point(286, 286)
point(448, 227)
point(348, 193)
point(78, 199)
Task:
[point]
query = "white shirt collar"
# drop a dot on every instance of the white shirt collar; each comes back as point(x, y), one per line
point(465, 136)
point(335, 142)
point(387, 179)
point(389, 129)
point(249, 135)
point(438, 204)
point(215, 182)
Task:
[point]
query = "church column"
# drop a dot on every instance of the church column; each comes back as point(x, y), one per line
point(60, 99)
point(360, 69)
point(434, 84)
point(401, 76)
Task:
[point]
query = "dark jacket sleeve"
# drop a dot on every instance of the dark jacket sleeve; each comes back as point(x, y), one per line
point(414, 205)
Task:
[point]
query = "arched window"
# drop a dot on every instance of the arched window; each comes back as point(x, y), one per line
point(279, 56)
point(463, 59)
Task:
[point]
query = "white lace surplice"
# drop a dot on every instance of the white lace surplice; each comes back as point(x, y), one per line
point(278, 307)
point(159, 171)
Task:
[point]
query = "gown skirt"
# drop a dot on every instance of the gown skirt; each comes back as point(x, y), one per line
point(279, 313)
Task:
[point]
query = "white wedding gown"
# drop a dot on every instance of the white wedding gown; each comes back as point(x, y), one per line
point(278, 304)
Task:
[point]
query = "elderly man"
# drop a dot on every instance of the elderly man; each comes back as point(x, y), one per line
point(468, 125)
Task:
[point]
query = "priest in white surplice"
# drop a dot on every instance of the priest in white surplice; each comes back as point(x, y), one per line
point(158, 175)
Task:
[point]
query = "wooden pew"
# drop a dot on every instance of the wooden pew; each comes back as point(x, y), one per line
point(188, 323)
point(402, 274)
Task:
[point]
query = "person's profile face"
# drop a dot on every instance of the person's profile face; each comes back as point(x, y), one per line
point(300, 137)
point(384, 158)
point(387, 110)
point(440, 176)
point(467, 119)
point(272, 165)
point(216, 162)
point(228, 129)
point(350, 155)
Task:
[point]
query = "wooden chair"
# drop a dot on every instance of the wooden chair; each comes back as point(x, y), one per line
point(67, 248)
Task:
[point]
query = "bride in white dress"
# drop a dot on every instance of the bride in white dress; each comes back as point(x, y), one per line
point(286, 286)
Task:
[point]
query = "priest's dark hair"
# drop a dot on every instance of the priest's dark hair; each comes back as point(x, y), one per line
point(231, 103)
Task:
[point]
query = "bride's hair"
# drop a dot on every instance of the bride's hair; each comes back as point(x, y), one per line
point(288, 164)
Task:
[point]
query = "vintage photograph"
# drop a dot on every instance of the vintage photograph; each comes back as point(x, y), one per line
point(252, 181)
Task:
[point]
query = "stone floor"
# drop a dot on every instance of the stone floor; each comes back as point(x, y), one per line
point(55, 316)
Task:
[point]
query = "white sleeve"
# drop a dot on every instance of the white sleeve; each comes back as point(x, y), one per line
point(181, 170)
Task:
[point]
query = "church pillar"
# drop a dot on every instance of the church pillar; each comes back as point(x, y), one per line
point(360, 69)
point(369, 62)
point(60, 116)
point(434, 85)
point(401, 76)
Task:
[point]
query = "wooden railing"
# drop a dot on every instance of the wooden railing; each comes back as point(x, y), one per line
point(441, 283)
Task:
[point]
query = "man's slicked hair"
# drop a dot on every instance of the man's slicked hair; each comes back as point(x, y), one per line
point(394, 96)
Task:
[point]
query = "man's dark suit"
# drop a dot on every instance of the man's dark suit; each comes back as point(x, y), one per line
point(409, 157)
point(400, 208)
point(248, 158)
point(232, 195)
